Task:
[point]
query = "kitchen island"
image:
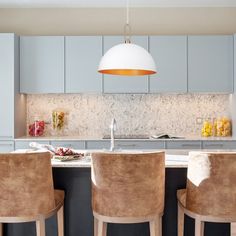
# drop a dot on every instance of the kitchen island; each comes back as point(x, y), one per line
point(74, 178)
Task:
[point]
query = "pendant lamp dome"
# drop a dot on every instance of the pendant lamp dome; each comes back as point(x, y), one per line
point(127, 58)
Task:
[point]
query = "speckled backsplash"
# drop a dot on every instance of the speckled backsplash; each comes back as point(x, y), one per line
point(90, 115)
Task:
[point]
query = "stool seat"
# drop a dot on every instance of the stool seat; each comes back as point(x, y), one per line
point(181, 197)
point(59, 202)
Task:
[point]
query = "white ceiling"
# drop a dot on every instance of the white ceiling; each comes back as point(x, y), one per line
point(117, 3)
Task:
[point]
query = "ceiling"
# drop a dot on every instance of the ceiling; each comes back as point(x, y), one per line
point(116, 3)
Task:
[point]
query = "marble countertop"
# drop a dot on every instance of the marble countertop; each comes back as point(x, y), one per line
point(81, 138)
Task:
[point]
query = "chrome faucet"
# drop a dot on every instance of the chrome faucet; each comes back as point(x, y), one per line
point(113, 129)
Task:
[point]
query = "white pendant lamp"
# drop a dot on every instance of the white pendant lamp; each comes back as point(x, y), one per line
point(127, 58)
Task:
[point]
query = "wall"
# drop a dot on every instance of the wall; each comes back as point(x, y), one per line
point(90, 115)
point(94, 21)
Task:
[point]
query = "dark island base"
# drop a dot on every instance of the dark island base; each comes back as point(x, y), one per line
point(78, 213)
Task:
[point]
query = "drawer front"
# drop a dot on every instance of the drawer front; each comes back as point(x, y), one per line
point(25, 144)
point(98, 144)
point(140, 144)
point(219, 144)
point(69, 144)
point(6, 146)
point(173, 144)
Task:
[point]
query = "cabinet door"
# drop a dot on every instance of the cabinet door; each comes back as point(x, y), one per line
point(179, 144)
point(25, 144)
point(125, 84)
point(98, 144)
point(219, 144)
point(69, 144)
point(170, 54)
point(6, 146)
point(82, 56)
point(42, 64)
point(6, 85)
point(210, 64)
point(139, 144)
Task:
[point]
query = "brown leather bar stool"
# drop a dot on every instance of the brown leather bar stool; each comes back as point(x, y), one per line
point(210, 194)
point(128, 188)
point(27, 192)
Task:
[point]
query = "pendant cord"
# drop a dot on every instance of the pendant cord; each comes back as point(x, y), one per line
point(127, 12)
point(127, 28)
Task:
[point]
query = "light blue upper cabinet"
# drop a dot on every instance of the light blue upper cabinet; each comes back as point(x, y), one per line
point(12, 103)
point(125, 84)
point(210, 63)
point(7, 85)
point(82, 56)
point(170, 55)
point(42, 64)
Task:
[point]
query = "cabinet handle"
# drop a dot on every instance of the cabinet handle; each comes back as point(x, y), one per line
point(190, 145)
point(6, 144)
point(126, 145)
point(6, 136)
point(214, 145)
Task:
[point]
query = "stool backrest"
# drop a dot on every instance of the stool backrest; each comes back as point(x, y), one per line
point(128, 185)
point(26, 185)
point(211, 184)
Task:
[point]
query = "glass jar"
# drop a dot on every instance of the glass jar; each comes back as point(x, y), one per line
point(207, 129)
point(58, 119)
point(36, 128)
point(223, 127)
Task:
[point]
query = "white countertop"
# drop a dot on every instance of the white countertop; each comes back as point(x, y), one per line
point(172, 161)
point(173, 158)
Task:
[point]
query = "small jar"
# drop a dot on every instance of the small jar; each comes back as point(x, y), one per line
point(36, 128)
point(207, 129)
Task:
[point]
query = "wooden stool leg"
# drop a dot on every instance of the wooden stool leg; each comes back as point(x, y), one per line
point(156, 227)
point(60, 221)
point(233, 229)
point(199, 227)
point(160, 226)
point(95, 226)
point(102, 228)
point(180, 221)
point(40, 227)
point(1, 229)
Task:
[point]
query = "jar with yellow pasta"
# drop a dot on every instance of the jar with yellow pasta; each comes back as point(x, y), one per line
point(58, 120)
point(223, 127)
